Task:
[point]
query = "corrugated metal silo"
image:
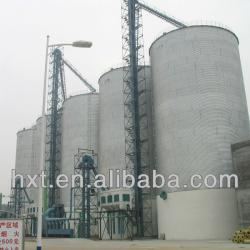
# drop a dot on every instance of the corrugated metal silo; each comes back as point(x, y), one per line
point(28, 151)
point(24, 155)
point(24, 151)
point(111, 143)
point(35, 170)
point(111, 123)
point(200, 110)
point(79, 130)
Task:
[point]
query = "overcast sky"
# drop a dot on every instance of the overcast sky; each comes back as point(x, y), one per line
point(25, 23)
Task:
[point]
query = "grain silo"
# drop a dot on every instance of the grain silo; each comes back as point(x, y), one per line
point(24, 157)
point(111, 122)
point(79, 131)
point(200, 109)
point(27, 161)
point(24, 151)
point(111, 143)
point(35, 170)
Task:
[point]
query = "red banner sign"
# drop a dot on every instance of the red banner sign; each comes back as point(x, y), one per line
point(11, 235)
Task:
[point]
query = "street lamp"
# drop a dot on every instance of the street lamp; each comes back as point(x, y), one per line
point(79, 44)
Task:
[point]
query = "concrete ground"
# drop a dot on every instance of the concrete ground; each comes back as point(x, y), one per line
point(83, 244)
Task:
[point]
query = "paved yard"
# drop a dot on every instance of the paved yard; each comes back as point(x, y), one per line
point(82, 244)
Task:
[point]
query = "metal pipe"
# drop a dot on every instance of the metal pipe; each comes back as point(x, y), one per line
point(161, 15)
point(88, 85)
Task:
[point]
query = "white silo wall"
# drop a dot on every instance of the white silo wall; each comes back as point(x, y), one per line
point(111, 122)
point(37, 133)
point(24, 151)
point(28, 151)
point(24, 155)
point(111, 143)
point(79, 130)
point(200, 110)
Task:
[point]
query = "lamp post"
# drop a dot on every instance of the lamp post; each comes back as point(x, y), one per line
point(78, 44)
